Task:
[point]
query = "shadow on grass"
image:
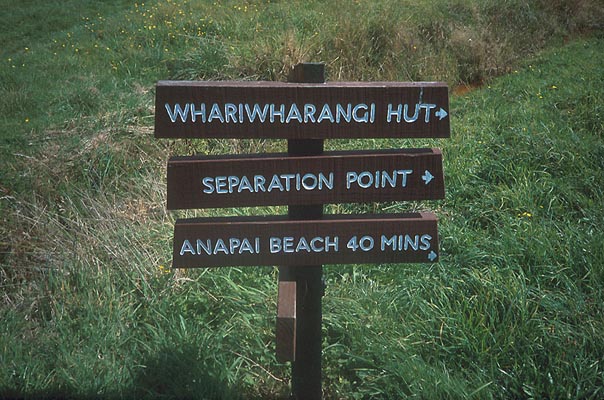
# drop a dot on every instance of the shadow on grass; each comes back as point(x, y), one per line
point(171, 374)
point(179, 374)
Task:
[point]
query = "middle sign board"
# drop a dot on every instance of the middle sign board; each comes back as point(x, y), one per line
point(276, 179)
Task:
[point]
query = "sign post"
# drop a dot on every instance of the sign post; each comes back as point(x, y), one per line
point(306, 360)
point(305, 111)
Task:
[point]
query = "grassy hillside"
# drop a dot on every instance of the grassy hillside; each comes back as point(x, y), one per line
point(89, 307)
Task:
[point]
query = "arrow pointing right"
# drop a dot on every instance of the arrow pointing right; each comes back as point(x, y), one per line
point(427, 177)
point(441, 114)
point(432, 256)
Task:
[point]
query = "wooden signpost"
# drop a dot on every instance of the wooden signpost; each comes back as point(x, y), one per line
point(305, 111)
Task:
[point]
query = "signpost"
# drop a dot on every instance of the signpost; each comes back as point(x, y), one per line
point(305, 111)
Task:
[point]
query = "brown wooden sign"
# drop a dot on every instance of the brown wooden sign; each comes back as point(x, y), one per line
point(191, 109)
point(245, 241)
point(276, 179)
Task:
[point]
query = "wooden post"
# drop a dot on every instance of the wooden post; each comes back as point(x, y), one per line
point(306, 363)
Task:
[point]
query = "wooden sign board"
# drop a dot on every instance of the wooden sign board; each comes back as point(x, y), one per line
point(276, 179)
point(246, 241)
point(234, 109)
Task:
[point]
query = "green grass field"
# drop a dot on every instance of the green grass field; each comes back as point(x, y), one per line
point(90, 309)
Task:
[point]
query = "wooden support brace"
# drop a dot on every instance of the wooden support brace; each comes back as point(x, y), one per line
point(286, 321)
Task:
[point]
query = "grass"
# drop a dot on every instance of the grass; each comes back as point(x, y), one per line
point(89, 308)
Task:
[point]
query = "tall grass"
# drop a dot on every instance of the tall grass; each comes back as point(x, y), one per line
point(90, 308)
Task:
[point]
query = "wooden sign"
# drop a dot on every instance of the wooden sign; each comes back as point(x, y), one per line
point(245, 241)
point(191, 109)
point(276, 179)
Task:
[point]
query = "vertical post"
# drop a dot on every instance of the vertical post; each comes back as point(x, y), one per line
point(306, 365)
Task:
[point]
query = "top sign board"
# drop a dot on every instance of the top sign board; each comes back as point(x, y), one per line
point(233, 109)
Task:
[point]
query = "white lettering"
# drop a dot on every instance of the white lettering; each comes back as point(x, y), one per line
point(303, 245)
point(229, 246)
point(208, 182)
point(280, 113)
point(230, 112)
point(215, 113)
point(405, 242)
point(415, 116)
point(283, 182)
point(326, 181)
point(325, 114)
point(221, 184)
point(411, 241)
point(288, 178)
point(198, 113)
point(178, 112)
point(404, 173)
point(274, 113)
point(234, 244)
point(204, 246)
point(245, 185)
point(256, 111)
point(343, 113)
point(377, 179)
point(294, 113)
point(391, 180)
point(313, 183)
point(246, 246)
point(309, 112)
point(367, 175)
point(428, 107)
point(275, 184)
point(317, 244)
point(274, 245)
point(220, 247)
point(388, 242)
point(259, 182)
point(233, 182)
point(288, 244)
point(186, 248)
point(331, 243)
point(363, 117)
point(425, 242)
point(391, 113)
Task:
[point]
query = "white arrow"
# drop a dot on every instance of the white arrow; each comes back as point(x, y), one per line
point(441, 114)
point(427, 177)
point(432, 256)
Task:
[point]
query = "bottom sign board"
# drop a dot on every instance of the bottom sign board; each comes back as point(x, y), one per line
point(342, 239)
